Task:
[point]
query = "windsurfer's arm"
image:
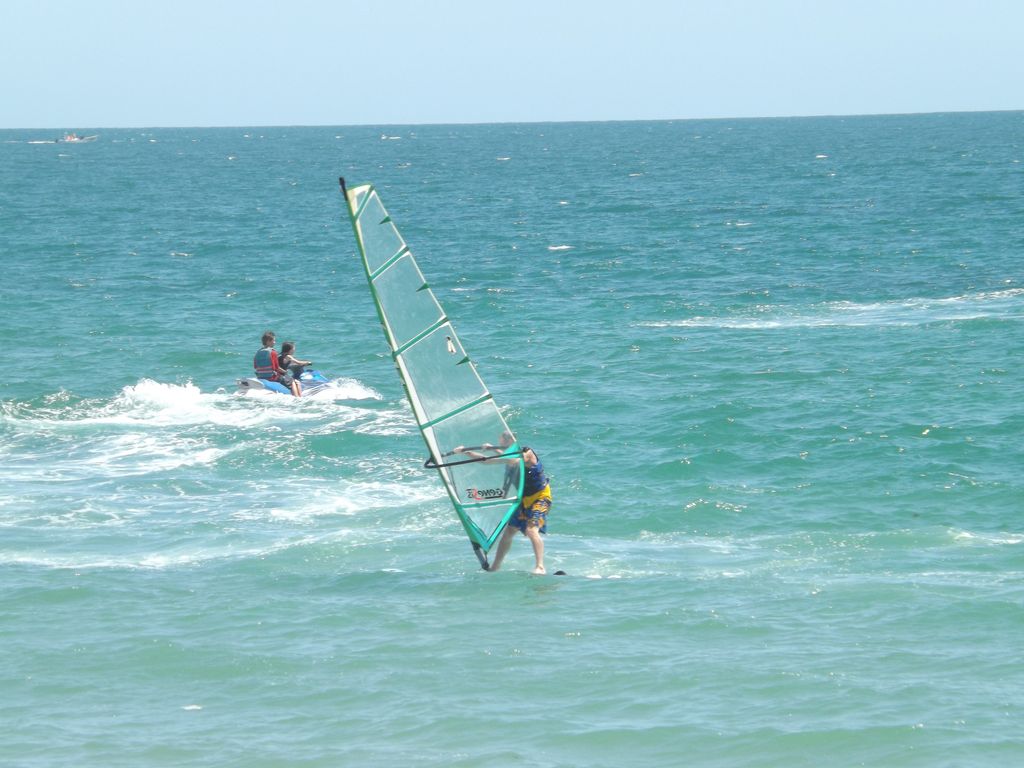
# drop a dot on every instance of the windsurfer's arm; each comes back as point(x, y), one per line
point(467, 452)
point(498, 450)
point(474, 452)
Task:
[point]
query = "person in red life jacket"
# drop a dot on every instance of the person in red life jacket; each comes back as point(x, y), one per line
point(267, 366)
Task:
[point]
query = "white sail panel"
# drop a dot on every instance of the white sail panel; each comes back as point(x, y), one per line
point(407, 309)
point(438, 358)
point(374, 229)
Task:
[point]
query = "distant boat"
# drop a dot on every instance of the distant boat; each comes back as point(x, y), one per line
point(74, 138)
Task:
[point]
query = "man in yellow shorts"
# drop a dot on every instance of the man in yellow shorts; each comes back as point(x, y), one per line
point(532, 516)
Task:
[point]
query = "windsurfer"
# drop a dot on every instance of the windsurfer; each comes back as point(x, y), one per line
point(531, 517)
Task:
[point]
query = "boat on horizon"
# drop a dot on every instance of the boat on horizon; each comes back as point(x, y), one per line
point(74, 138)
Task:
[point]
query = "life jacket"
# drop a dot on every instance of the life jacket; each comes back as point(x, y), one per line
point(265, 363)
point(536, 480)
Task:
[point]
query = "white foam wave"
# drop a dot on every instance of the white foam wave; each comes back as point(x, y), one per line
point(108, 456)
point(155, 404)
point(900, 312)
point(144, 561)
point(133, 455)
point(987, 539)
point(133, 538)
point(156, 428)
point(356, 498)
point(346, 389)
point(394, 421)
point(161, 404)
point(559, 247)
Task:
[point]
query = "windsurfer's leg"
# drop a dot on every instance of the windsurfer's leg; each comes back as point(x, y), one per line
point(503, 546)
point(533, 534)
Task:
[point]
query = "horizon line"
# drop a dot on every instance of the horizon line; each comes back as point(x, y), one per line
point(523, 122)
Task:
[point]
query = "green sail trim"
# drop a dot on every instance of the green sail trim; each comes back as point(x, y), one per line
point(449, 400)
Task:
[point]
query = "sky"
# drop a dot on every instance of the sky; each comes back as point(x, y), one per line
point(74, 64)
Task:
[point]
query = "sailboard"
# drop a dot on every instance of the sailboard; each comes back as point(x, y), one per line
point(473, 450)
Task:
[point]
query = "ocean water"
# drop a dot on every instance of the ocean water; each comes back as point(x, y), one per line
point(773, 367)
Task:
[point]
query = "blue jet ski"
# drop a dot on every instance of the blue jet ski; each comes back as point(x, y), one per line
point(312, 381)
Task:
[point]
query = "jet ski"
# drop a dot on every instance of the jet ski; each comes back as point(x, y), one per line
point(311, 381)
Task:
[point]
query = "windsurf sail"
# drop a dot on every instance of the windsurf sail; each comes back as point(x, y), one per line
point(473, 450)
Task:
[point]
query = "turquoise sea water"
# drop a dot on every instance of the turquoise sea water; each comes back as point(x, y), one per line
point(773, 367)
